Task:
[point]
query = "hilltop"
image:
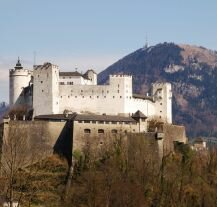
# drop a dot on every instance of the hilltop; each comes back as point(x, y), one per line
point(192, 70)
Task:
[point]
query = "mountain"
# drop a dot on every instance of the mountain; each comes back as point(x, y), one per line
point(191, 70)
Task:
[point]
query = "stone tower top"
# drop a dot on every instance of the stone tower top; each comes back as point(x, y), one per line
point(18, 65)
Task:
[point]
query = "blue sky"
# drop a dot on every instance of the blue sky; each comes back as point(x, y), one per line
point(95, 33)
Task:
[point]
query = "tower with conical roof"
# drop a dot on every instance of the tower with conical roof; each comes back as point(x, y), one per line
point(19, 78)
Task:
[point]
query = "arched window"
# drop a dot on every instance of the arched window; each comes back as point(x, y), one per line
point(101, 131)
point(87, 131)
point(114, 131)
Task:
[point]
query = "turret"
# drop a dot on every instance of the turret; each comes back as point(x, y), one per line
point(19, 78)
point(91, 75)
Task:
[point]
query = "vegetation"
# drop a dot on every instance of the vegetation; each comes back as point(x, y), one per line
point(119, 177)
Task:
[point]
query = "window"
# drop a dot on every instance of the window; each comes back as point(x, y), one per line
point(101, 122)
point(41, 81)
point(62, 83)
point(97, 96)
point(120, 96)
point(81, 91)
point(86, 121)
point(160, 103)
point(114, 122)
point(42, 91)
point(80, 122)
point(93, 122)
point(113, 96)
point(107, 91)
point(107, 122)
point(114, 131)
point(87, 131)
point(100, 131)
point(118, 91)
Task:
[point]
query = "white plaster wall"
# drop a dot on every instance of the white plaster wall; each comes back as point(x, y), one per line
point(114, 99)
point(46, 90)
point(95, 99)
point(77, 80)
point(163, 101)
point(109, 99)
point(147, 107)
point(18, 80)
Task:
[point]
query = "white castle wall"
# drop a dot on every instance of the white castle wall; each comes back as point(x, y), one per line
point(115, 98)
point(107, 99)
point(46, 89)
point(53, 94)
point(19, 79)
point(162, 93)
point(74, 80)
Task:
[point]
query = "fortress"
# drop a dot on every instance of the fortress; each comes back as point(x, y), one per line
point(47, 90)
point(72, 112)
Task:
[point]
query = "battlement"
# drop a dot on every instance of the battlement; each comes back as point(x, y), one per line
point(120, 76)
point(45, 66)
point(20, 71)
point(161, 84)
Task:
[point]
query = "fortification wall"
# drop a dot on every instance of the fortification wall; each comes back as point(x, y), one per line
point(94, 137)
point(173, 133)
point(38, 134)
point(109, 99)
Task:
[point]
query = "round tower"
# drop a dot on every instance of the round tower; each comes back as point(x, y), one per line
point(19, 78)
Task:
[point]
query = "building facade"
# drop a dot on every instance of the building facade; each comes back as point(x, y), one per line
point(55, 92)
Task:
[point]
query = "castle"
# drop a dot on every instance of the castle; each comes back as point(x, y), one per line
point(47, 90)
point(71, 112)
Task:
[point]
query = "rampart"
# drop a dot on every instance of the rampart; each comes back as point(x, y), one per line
point(57, 136)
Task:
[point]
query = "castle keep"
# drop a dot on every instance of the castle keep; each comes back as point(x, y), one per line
point(47, 90)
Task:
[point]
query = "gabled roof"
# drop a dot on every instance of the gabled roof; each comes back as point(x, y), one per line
point(139, 114)
point(75, 73)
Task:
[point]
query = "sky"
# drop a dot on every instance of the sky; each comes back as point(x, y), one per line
point(94, 34)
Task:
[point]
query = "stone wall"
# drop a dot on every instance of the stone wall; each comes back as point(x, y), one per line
point(46, 137)
point(173, 133)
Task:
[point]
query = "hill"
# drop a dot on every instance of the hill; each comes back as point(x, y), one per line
point(3, 109)
point(192, 70)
